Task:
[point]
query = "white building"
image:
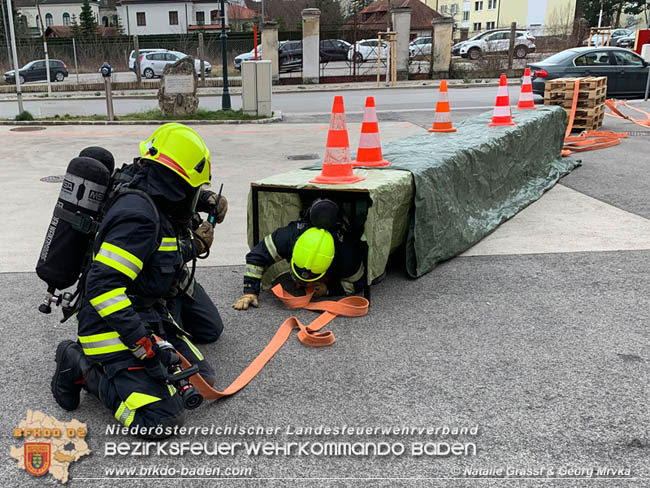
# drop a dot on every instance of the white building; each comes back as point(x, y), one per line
point(143, 17)
point(60, 12)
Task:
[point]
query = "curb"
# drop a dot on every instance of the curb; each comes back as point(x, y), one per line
point(276, 118)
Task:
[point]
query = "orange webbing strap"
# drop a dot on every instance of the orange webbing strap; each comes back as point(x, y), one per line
point(588, 140)
point(349, 306)
point(612, 105)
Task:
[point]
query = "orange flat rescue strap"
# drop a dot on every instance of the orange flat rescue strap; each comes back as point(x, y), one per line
point(589, 140)
point(309, 335)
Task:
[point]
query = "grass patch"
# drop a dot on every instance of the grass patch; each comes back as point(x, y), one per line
point(156, 115)
point(25, 115)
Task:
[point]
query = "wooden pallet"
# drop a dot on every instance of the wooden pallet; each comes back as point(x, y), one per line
point(586, 83)
point(584, 103)
point(567, 95)
point(588, 118)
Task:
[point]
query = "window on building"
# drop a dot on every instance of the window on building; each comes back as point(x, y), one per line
point(66, 18)
point(173, 17)
point(454, 9)
point(48, 20)
point(489, 25)
point(492, 4)
point(141, 18)
point(478, 5)
point(476, 26)
point(443, 9)
point(200, 18)
point(214, 17)
point(105, 21)
point(466, 15)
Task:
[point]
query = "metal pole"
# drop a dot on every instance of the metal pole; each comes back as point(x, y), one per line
point(109, 98)
point(263, 18)
point(47, 57)
point(647, 85)
point(19, 94)
point(255, 40)
point(76, 67)
point(600, 16)
point(511, 48)
point(4, 22)
point(201, 59)
point(136, 48)
point(225, 96)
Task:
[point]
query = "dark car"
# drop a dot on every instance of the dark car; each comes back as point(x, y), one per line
point(626, 41)
point(35, 71)
point(625, 70)
point(290, 56)
point(334, 50)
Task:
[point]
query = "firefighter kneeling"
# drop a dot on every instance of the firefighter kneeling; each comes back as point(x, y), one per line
point(135, 270)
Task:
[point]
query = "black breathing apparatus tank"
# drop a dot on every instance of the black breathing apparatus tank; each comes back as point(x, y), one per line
point(72, 228)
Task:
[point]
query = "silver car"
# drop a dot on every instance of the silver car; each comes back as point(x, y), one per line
point(153, 64)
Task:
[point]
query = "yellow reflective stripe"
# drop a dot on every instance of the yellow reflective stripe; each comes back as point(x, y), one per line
point(119, 259)
point(192, 347)
point(136, 400)
point(99, 337)
point(169, 244)
point(94, 351)
point(125, 415)
point(172, 390)
point(270, 246)
point(110, 302)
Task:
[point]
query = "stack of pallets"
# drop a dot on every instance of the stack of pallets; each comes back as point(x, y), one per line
point(590, 110)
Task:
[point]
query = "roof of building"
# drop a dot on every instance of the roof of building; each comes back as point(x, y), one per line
point(66, 31)
point(375, 15)
point(235, 12)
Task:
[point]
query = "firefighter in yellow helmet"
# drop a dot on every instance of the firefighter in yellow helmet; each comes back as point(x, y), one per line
point(319, 249)
point(135, 269)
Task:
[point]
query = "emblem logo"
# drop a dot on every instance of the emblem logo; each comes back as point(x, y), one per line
point(37, 457)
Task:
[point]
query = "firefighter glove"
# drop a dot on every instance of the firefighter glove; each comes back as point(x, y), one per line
point(158, 365)
point(222, 207)
point(205, 234)
point(320, 289)
point(247, 299)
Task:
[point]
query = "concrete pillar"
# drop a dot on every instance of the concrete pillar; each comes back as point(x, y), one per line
point(442, 40)
point(310, 45)
point(401, 20)
point(270, 48)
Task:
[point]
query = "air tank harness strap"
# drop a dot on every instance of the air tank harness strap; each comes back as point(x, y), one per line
point(309, 335)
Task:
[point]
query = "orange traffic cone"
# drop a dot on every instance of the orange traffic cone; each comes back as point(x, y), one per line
point(442, 117)
point(526, 101)
point(502, 114)
point(369, 152)
point(337, 168)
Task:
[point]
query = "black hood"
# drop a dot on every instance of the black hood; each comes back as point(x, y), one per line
point(173, 195)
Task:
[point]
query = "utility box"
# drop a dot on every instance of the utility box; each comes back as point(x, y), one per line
point(256, 88)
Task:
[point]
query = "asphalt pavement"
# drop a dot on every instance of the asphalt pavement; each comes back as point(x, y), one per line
point(538, 339)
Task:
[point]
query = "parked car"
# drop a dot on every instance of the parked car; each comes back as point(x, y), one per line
point(36, 71)
point(289, 56)
point(141, 51)
point(152, 64)
point(497, 41)
point(367, 49)
point(626, 41)
point(601, 38)
point(334, 50)
point(625, 70)
point(420, 47)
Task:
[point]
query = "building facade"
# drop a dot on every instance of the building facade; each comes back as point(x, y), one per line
point(147, 17)
point(541, 17)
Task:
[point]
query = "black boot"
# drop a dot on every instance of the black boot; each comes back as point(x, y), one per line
point(69, 376)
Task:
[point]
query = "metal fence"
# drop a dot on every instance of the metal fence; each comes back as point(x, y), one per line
point(92, 53)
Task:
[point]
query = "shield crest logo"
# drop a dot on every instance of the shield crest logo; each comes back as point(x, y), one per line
point(37, 457)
